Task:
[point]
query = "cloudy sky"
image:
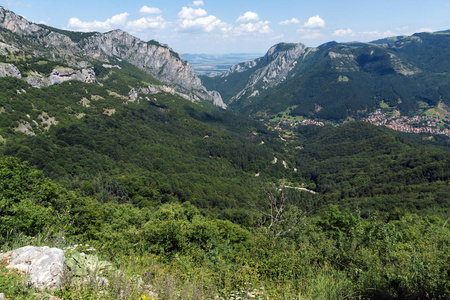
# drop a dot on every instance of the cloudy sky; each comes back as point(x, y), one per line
point(240, 26)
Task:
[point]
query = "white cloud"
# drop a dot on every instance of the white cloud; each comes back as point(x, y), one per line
point(190, 13)
point(207, 24)
point(259, 27)
point(344, 32)
point(146, 23)
point(291, 21)
point(191, 19)
point(150, 10)
point(198, 3)
point(314, 22)
point(111, 23)
point(376, 34)
point(249, 16)
point(251, 24)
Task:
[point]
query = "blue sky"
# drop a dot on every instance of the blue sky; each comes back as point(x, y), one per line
point(241, 26)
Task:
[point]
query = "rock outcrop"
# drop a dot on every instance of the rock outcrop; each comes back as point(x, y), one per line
point(43, 265)
point(58, 76)
point(242, 67)
point(9, 70)
point(213, 96)
point(25, 127)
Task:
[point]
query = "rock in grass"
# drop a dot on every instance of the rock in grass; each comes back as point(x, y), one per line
point(43, 265)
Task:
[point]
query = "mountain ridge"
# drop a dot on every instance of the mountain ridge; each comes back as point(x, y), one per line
point(335, 81)
point(156, 59)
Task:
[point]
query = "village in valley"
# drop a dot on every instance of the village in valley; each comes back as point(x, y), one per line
point(408, 124)
point(414, 124)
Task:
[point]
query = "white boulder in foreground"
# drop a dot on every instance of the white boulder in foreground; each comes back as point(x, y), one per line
point(43, 265)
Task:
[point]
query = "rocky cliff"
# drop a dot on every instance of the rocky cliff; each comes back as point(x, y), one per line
point(79, 49)
point(270, 70)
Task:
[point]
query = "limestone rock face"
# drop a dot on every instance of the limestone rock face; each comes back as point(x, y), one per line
point(37, 80)
point(276, 65)
point(242, 67)
point(16, 23)
point(5, 48)
point(43, 265)
point(217, 99)
point(193, 96)
point(61, 75)
point(9, 70)
point(158, 60)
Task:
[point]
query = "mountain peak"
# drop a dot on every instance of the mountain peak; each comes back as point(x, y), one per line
point(15, 23)
point(283, 47)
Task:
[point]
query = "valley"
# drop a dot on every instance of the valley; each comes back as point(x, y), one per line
point(307, 173)
point(215, 65)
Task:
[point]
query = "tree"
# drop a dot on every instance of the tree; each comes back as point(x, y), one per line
point(278, 215)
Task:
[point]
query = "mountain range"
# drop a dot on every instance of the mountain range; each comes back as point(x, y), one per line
point(336, 81)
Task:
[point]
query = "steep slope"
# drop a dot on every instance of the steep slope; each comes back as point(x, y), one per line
point(339, 80)
point(245, 80)
point(82, 49)
point(159, 148)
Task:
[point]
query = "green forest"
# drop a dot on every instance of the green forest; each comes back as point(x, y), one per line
point(192, 201)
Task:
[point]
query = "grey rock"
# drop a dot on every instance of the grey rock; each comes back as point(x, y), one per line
point(58, 76)
point(149, 90)
point(43, 265)
point(61, 75)
point(25, 127)
point(37, 80)
point(239, 68)
point(5, 49)
point(158, 60)
point(217, 99)
point(193, 96)
point(16, 23)
point(276, 65)
point(9, 70)
point(2, 296)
